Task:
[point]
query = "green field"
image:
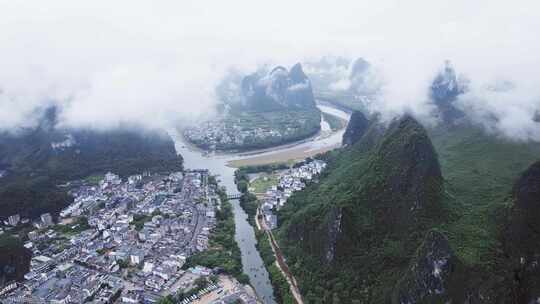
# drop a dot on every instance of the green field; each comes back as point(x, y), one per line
point(263, 182)
point(74, 228)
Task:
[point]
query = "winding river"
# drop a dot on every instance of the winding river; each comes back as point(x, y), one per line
point(219, 164)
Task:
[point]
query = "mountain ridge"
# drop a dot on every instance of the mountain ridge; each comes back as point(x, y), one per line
point(37, 160)
point(390, 252)
point(278, 89)
point(396, 186)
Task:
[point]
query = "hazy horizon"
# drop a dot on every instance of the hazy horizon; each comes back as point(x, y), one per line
point(106, 64)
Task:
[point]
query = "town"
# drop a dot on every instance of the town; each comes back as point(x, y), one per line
point(221, 135)
point(126, 241)
point(289, 181)
point(253, 130)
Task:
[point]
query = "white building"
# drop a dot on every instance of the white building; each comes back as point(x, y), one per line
point(14, 219)
point(47, 219)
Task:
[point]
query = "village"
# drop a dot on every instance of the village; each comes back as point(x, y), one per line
point(126, 241)
point(222, 135)
point(289, 181)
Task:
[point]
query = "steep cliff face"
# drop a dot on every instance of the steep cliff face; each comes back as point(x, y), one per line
point(357, 126)
point(381, 226)
point(445, 89)
point(372, 136)
point(318, 231)
point(299, 92)
point(406, 171)
point(368, 216)
point(401, 180)
point(429, 272)
point(400, 189)
point(277, 90)
point(14, 260)
point(522, 237)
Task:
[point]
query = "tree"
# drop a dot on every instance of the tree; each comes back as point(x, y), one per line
point(201, 283)
point(122, 264)
point(242, 186)
point(167, 300)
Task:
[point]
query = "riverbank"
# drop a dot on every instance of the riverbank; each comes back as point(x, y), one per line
point(244, 235)
point(223, 251)
point(327, 140)
point(282, 279)
point(252, 130)
point(219, 164)
point(289, 156)
point(285, 287)
point(344, 103)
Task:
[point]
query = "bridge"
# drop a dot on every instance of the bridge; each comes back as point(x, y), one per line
point(234, 196)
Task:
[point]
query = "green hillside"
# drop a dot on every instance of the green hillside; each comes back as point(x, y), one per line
point(35, 168)
point(386, 198)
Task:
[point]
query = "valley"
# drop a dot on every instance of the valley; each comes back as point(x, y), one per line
point(260, 110)
point(269, 152)
point(220, 164)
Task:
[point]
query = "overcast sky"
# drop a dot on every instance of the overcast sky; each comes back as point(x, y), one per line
point(152, 62)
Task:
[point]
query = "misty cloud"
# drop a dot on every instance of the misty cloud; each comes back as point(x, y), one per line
point(156, 64)
point(509, 112)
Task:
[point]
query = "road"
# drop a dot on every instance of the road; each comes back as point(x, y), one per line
point(220, 164)
point(197, 229)
point(280, 261)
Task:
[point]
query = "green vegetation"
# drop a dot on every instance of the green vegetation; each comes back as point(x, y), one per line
point(249, 203)
point(264, 248)
point(31, 197)
point(380, 238)
point(268, 168)
point(74, 228)
point(241, 177)
point(223, 250)
point(139, 220)
point(263, 182)
point(480, 171)
point(9, 241)
point(287, 125)
point(123, 264)
point(167, 300)
point(357, 186)
point(14, 259)
point(35, 169)
point(280, 284)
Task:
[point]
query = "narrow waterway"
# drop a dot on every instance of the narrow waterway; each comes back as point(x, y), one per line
point(252, 262)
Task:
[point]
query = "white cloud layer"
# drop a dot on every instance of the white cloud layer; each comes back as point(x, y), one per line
point(158, 62)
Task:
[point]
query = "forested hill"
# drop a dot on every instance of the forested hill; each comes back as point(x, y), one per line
point(357, 126)
point(37, 160)
point(275, 90)
point(14, 259)
point(409, 215)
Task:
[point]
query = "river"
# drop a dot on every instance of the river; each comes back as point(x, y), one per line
point(218, 165)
